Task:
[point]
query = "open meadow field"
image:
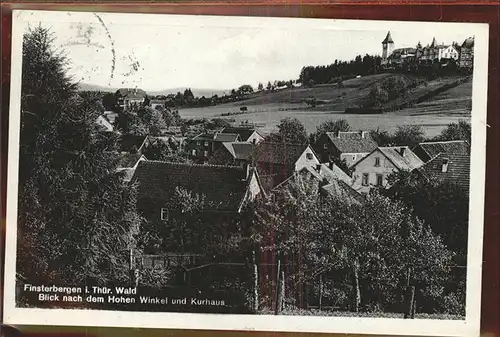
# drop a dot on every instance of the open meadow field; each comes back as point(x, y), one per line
point(267, 109)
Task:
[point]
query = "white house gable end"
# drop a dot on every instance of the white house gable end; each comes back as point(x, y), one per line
point(306, 159)
point(255, 138)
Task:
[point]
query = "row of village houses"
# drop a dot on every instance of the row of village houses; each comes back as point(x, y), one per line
point(259, 167)
point(256, 168)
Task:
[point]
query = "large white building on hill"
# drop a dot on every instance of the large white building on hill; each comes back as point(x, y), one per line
point(394, 57)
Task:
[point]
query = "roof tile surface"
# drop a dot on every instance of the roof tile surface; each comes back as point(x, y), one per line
point(224, 187)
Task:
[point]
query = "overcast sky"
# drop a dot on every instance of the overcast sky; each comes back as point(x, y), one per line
point(156, 52)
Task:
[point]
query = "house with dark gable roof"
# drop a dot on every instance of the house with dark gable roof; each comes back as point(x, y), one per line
point(250, 135)
point(276, 162)
point(234, 153)
point(373, 169)
point(348, 146)
point(204, 145)
point(447, 167)
point(225, 189)
point(428, 150)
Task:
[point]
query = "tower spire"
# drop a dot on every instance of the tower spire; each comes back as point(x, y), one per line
point(388, 38)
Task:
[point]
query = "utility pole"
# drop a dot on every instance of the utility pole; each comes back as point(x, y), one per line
point(276, 308)
point(410, 296)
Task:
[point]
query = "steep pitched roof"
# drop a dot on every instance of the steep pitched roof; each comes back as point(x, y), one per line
point(458, 168)
point(399, 51)
point(407, 161)
point(131, 92)
point(332, 181)
point(128, 142)
point(434, 42)
point(243, 132)
point(388, 38)
point(468, 43)
point(279, 153)
point(239, 150)
point(226, 137)
point(429, 150)
point(341, 189)
point(204, 136)
point(129, 160)
point(224, 187)
point(352, 142)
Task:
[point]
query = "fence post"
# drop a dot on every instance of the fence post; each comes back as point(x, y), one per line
point(414, 305)
point(256, 283)
point(410, 296)
point(282, 292)
point(320, 290)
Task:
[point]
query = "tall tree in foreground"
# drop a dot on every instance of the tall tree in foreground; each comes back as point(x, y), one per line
point(368, 252)
point(76, 218)
point(290, 130)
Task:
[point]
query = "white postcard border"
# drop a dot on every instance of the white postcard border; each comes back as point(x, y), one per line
point(423, 327)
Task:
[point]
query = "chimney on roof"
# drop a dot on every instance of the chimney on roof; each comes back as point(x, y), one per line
point(318, 167)
point(330, 165)
point(444, 167)
point(402, 151)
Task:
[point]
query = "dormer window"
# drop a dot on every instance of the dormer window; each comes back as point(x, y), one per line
point(164, 214)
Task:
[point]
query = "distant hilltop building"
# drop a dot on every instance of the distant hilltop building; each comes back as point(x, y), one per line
point(393, 57)
point(128, 97)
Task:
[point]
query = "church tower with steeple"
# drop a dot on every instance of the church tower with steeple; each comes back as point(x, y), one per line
point(387, 47)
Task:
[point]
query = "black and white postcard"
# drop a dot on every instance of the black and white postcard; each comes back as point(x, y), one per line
point(246, 173)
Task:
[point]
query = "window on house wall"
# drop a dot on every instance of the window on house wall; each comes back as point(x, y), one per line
point(309, 156)
point(364, 180)
point(377, 161)
point(379, 180)
point(325, 146)
point(205, 153)
point(164, 214)
point(206, 143)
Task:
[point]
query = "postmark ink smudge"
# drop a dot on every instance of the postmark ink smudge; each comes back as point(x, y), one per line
point(113, 61)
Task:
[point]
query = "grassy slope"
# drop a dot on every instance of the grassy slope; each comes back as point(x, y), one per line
point(456, 100)
point(269, 108)
point(353, 94)
point(330, 92)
